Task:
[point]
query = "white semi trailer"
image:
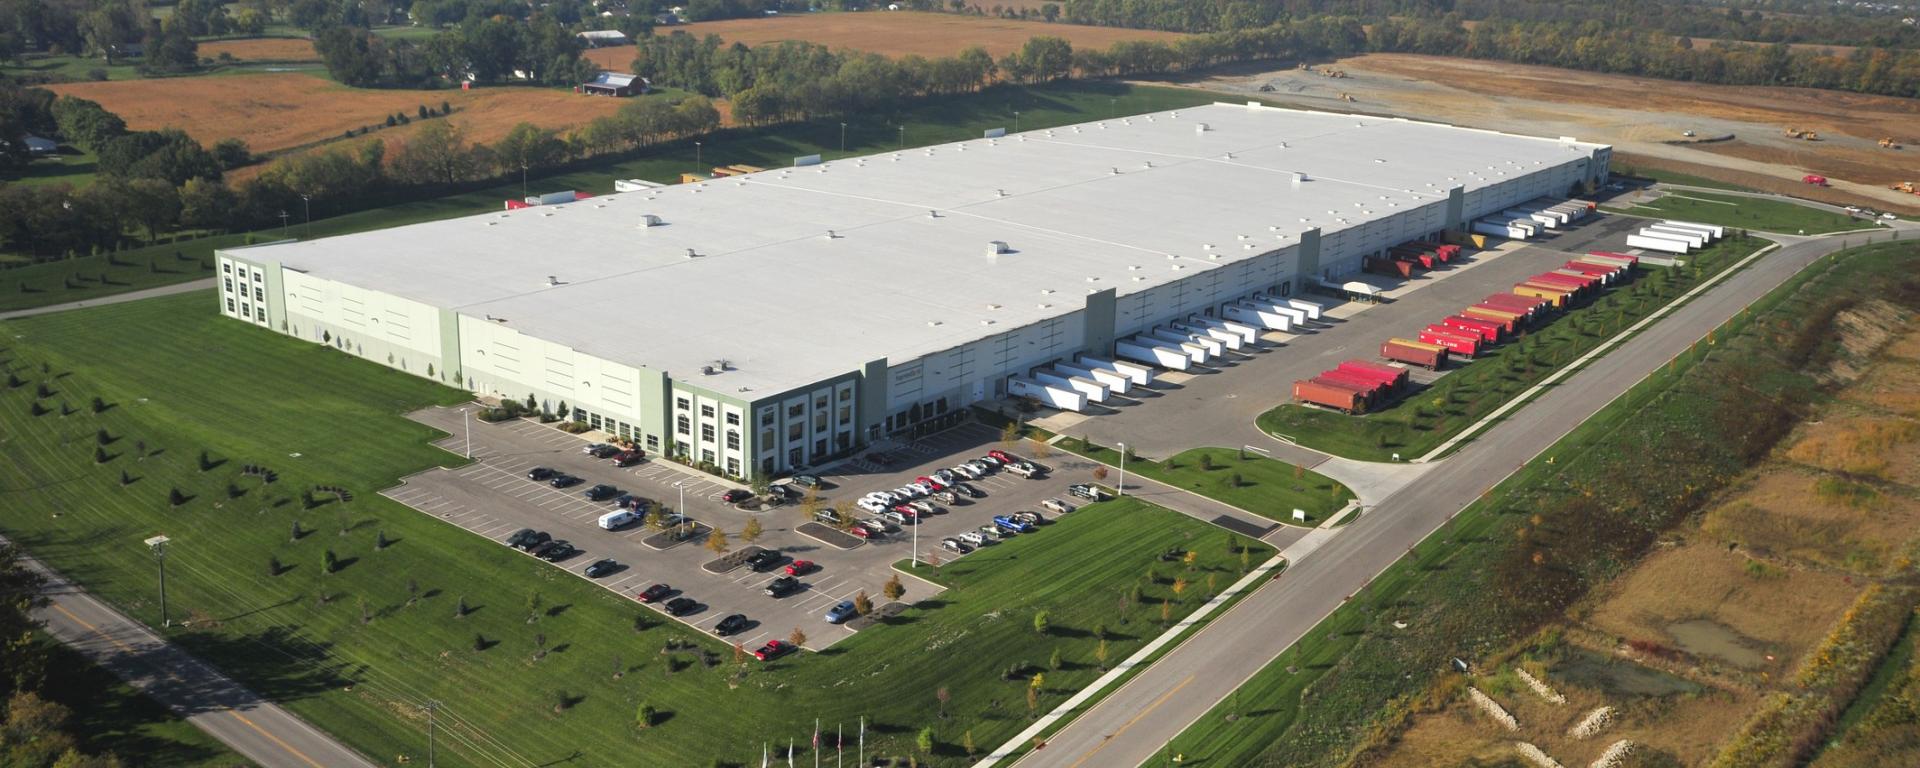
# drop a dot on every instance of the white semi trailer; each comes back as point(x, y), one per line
point(1157, 353)
point(1116, 382)
point(1057, 397)
point(1093, 391)
point(1140, 375)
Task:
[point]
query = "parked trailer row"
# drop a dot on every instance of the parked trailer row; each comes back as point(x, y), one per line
point(1054, 396)
point(1140, 375)
point(1393, 377)
point(1655, 243)
point(1714, 230)
point(1464, 346)
point(1153, 353)
point(1297, 315)
point(1261, 318)
point(1093, 391)
point(1499, 227)
point(1694, 238)
point(1249, 335)
point(1330, 395)
point(1115, 382)
point(1429, 356)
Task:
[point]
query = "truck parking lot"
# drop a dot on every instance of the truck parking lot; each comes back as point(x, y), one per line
point(493, 497)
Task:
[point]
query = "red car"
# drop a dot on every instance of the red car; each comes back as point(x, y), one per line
point(799, 567)
point(909, 512)
point(654, 593)
point(859, 531)
point(736, 496)
point(930, 483)
point(628, 458)
point(772, 650)
point(1002, 456)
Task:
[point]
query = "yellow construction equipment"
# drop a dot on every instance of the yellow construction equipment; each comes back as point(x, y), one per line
point(1905, 186)
point(1795, 133)
point(1888, 143)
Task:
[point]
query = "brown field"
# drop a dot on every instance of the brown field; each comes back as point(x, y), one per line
point(262, 49)
point(279, 111)
point(1784, 512)
point(893, 33)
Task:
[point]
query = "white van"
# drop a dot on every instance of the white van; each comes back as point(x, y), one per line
point(612, 520)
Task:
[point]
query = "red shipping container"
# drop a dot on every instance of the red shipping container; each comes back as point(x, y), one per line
point(1487, 330)
point(1337, 398)
point(1531, 306)
point(1507, 320)
point(1425, 355)
point(1373, 389)
point(1390, 378)
point(1459, 345)
point(1579, 285)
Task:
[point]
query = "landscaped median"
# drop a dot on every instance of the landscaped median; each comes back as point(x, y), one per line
point(1537, 542)
point(1265, 487)
point(1425, 419)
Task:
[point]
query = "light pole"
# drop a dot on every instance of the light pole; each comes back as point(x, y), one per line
point(903, 137)
point(158, 545)
point(283, 222)
point(696, 157)
point(1120, 489)
point(843, 138)
point(916, 542)
point(431, 706)
point(1016, 121)
point(682, 509)
point(467, 415)
point(306, 230)
point(523, 179)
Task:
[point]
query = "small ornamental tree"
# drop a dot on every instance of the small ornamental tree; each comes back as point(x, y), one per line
point(1041, 623)
point(717, 541)
point(646, 715)
point(329, 562)
point(924, 740)
point(862, 604)
point(893, 589)
point(798, 638)
point(175, 497)
point(752, 530)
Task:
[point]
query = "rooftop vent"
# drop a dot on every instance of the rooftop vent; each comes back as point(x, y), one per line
point(691, 254)
point(999, 193)
point(650, 220)
point(1201, 128)
point(996, 247)
point(1229, 155)
point(707, 370)
point(1116, 171)
point(831, 235)
point(933, 214)
point(552, 281)
point(992, 307)
point(1149, 163)
point(1294, 179)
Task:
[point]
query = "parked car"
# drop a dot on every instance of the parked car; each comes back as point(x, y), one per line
point(841, 612)
point(948, 498)
point(979, 466)
point(563, 480)
point(955, 546)
point(807, 481)
point(560, 550)
point(772, 650)
point(628, 458)
point(681, 606)
point(924, 508)
point(539, 473)
point(872, 504)
point(930, 483)
point(905, 511)
point(764, 559)
point(736, 495)
point(1008, 523)
point(1057, 506)
point(600, 450)
point(600, 492)
point(992, 462)
point(827, 516)
point(540, 549)
point(520, 536)
point(1030, 518)
point(617, 518)
point(859, 531)
point(601, 568)
point(966, 471)
point(1002, 456)
point(893, 517)
point(654, 593)
point(731, 625)
point(631, 503)
point(908, 491)
point(992, 532)
point(873, 526)
point(967, 490)
point(783, 586)
point(921, 490)
point(1088, 492)
point(1026, 469)
point(974, 538)
point(532, 540)
point(800, 567)
point(945, 476)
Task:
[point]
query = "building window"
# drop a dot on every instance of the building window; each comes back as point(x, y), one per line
point(229, 306)
point(228, 266)
point(259, 294)
point(229, 286)
point(682, 404)
point(243, 273)
point(766, 439)
point(256, 275)
point(820, 447)
point(653, 442)
point(845, 395)
point(733, 419)
point(766, 418)
point(733, 467)
point(261, 313)
point(593, 420)
point(794, 431)
point(684, 425)
point(706, 433)
point(245, 309)
point(820, 402)
point(846, 414)
point(706, 455)
point(820, 421)
point(706, 411)
point(794, 411)
point(733, 440)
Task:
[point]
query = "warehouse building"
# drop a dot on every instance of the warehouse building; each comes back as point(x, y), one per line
point(770, 321)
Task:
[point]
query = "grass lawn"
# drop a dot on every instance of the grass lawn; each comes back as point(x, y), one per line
point(1748, 213)
point(90, 277)
point(1421, 421)
point(70, 67)
point(177, 380)
point(932, 122)
point(1266, 487)
point(75, 169)
point(1355, 675)
point(110, 716)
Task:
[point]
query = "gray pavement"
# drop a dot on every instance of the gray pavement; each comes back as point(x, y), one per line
point(1130, 725)
point(257, 729)
point(118, 298)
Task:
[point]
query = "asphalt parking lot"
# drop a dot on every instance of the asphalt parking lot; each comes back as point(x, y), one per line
point(493, 497)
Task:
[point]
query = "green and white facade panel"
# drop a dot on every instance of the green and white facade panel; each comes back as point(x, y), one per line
point(776, 320)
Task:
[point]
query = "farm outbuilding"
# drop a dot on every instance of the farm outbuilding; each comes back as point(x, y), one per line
point(604, 38)
point(614, 84)
point(778, 319)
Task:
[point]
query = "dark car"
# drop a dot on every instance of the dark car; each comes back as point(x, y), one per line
point(628, 458)
point(736, 496)
point(539, 473)
point(602, 451)
point(967, 490)
point(563, 480)
point(519, 537)
point(560, 550)
point(772, 650)
point(731, 625)
point(533, 540)
point(600, 492)
point(681, 606)
point(806, 481)
point(540, 549)
point(783, 586)
point(601, 568)
point(763, 559)
point(654, 593)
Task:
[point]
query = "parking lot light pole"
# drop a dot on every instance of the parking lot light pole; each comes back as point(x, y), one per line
point(467, 415)
point(682, 509)
point(158, 545)
point(1120, 488)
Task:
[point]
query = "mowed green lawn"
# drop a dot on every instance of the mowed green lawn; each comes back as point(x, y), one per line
point(90, 277)
point(932, 122)
point(178, 380)
point(1748, 213)
point(1421, 421)
point(1257, 484)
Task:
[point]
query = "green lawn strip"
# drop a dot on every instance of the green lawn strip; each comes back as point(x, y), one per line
point(180, 380)
point(1352, 675)
point(1423, 420)
point(1765, 214)
point(1266, 487)
point(934, 121)
point(91, 277)
point(110, 716)
point(75, 169)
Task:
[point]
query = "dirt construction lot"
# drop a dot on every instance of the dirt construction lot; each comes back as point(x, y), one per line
point(494, 498)
point(1637, 115)
point(278, 111)
point(893, 33)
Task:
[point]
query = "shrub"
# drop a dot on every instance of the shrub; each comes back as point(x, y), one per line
point(646, 715)
point(175, 497)
point(1041, 623)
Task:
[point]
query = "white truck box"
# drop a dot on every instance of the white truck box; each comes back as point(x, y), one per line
point(1058, 397)
point(1657, 244)
point(1094, 391)
point(1116, 382)
point(1153, 353)
point(1140, 374)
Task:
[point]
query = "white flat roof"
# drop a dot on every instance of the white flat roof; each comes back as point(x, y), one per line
point(906, 272)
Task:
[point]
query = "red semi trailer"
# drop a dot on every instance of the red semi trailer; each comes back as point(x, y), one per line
point(1423, 354)
point(1487, 330)
point(1455, 342)
point(1337, 398)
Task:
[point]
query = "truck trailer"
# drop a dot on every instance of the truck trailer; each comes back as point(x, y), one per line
point(1329, 396)
point(1429, 356)
point(1656, 243)
point(1153, 353)
point(1691, 237)
point(1251, 315)
point(1116, 383)
point(1140, 375)
point(1093, 391)
point(1057, 397)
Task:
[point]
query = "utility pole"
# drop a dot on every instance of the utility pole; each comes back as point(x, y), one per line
point(1016, 121)
point(431, 706)
point(283, 222)
point(696, 157)
point(903, 137)
point(523, 179)
point(158, 545)
point(843, 138)
point(306, 230)
point(1120, 489)
point(682, 509)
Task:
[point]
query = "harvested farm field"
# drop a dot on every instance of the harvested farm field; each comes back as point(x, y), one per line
point(287, 49)
point(893, 33)
point(281, 111)
point(1645, 119)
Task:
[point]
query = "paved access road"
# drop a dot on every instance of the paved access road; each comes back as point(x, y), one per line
point(118, 298)
point(1131, 725)
point(256, 728)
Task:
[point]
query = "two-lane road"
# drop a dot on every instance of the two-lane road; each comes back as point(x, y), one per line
point(1133, 723)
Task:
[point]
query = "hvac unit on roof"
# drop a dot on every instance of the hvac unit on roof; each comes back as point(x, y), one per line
point(996, 247)
point(650, 220)
point(1201, 128)
point(552, 280)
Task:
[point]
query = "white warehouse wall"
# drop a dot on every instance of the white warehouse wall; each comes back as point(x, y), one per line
point(381, 327)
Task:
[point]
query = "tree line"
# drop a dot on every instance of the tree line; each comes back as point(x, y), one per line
point(538, 50)
point(36, 730)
